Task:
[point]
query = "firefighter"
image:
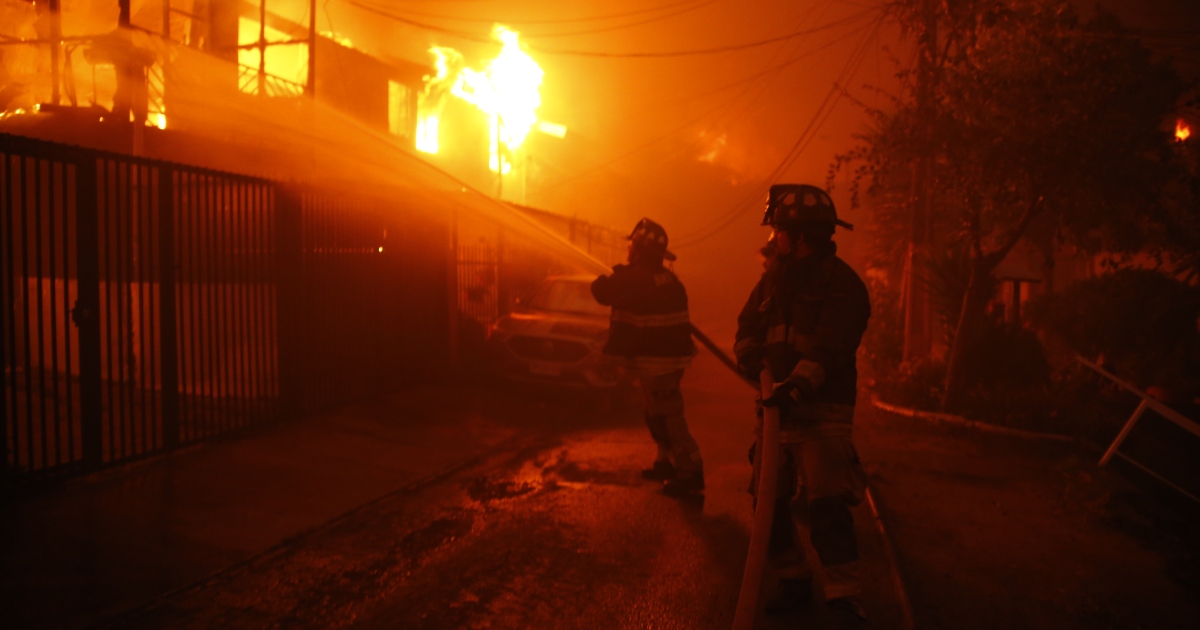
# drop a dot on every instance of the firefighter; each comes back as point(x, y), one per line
point(804, 321)
point(650, 337)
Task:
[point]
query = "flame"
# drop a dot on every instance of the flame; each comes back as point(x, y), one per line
point(507, 91)
point(1182, 130)
point(431, 100)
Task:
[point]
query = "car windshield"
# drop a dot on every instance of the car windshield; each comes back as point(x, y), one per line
point(567, 296)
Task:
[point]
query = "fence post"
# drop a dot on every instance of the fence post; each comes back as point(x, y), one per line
point(168, 330)
point(86, 311)
point(503, 297)
point(452, 264)
point(289, 257)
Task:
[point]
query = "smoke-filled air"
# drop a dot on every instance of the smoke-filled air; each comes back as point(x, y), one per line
point(597, 314)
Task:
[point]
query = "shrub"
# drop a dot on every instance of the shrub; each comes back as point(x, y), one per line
point(883, 342)
point(1143, 324)
point(916, 384)
point(1010, 376)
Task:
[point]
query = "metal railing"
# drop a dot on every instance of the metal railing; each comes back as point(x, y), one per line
point(269, 85)
point(1145, 404)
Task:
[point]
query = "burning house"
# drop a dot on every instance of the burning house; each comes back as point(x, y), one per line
point(217, 216)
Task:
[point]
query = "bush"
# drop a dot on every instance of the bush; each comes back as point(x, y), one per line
point(916, 384)
point(883, 342)
point(1141, 322)
point(1010, 375)
point(1007, 356)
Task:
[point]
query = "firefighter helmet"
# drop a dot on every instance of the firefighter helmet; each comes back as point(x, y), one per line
point(650, 237)
point(794, 204)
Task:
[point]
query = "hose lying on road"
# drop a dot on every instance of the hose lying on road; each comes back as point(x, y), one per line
point(767, 464)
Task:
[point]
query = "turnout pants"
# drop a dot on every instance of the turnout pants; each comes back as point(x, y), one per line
point(820, 480)
point(668, 428)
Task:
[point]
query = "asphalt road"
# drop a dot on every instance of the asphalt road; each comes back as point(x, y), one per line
point(554, 530)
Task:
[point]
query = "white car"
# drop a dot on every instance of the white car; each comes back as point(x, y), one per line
point(555, 336)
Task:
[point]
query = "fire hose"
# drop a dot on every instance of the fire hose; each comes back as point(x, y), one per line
point(766, 463)
point(766, 454)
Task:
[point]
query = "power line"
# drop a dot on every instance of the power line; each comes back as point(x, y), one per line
point(703, 51)
point(634, 55)
point(824, 111)
point(618, 27)
point(422, 25)
point(726, 105)
point(775, 69)
point(723, 105)
point(598, 18)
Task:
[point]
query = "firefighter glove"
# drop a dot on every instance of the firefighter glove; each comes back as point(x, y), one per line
point(782, 396)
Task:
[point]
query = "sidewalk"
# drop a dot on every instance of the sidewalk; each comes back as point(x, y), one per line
point(95, 547)
point(996, 531)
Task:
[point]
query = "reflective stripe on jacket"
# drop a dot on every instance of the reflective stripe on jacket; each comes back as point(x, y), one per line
point(806, 319)
point(650, 327)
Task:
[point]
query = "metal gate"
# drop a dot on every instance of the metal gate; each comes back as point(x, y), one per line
point(43, 408)
point(139, 306)
point(149, 304)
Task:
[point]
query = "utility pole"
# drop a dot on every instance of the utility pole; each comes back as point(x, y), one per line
point(262, 47)
point(123, 97)
point(918, 316)
point(55, 48)
point(310, 85)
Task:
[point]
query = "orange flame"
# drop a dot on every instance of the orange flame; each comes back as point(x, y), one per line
point(507, 91)
point(1182, 130)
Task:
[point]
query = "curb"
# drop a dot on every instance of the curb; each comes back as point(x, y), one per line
point(947, 418)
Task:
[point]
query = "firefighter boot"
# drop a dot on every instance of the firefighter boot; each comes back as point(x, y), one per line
point(792, 595)
point(684, 486)
point(662, 470)
point(848, 613)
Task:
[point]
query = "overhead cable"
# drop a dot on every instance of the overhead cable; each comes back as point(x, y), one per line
point(470, 36)
point(822, 114)
point(597, 18)
point(703, 51)
point(721, 109)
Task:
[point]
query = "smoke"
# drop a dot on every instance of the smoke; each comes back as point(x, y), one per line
point(690, 140)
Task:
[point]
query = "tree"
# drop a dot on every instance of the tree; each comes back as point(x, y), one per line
point(1039, 122)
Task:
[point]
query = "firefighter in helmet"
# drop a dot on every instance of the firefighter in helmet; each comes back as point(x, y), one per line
point(650, 337)
point(803, 322)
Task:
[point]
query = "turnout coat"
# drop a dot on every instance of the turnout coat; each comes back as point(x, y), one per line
point(804, 320)
point(650, 331)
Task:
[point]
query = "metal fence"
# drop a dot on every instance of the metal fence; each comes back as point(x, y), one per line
point(149, 305)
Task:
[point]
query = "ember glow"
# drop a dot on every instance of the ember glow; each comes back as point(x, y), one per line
point(1182, 130)
point(507, 91)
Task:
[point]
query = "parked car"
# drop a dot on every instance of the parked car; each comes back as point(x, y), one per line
point(555, 336)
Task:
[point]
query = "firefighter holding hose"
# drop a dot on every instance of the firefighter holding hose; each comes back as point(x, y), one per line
point(650, 337)
point(803, 322)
